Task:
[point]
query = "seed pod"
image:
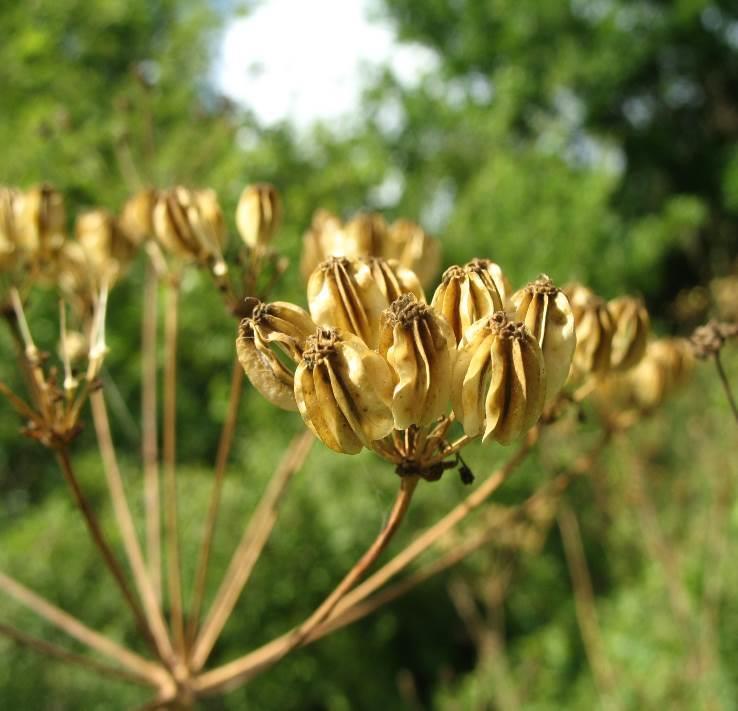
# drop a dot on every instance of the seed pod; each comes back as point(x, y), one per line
point(394, 280)
point(469, 293)
point(411, 245)
point(498, 382)
point(279, 326)
point(546, 313)
point(318, 241)
point(594, 330)
point(41, 222)
point(107, 250)
point(342, 293)
point(136, 218)
point(420, 347)
point(344, 391)
point(632, 325)
point(189, 224)
point(10, 200)
point(258, 214)
point(365, 235)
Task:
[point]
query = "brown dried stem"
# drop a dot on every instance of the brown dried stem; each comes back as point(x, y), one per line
point(726, 385)
point(74, 628)
point(249, 549)
point(149, 447)
point(174, 567)
point(221, 460)
point(127, 529)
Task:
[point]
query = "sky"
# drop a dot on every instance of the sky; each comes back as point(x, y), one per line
point(303, 60)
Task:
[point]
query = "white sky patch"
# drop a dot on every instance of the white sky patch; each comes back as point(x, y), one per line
point(305, 60)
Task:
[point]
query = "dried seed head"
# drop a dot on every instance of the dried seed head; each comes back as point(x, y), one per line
point(136, 217)
point(630, 337)
point(267, 339)
point(498, 382)
point(546, 312)
point(420, 348)
point(342, 293)
point(393, 279)
point(469, 293)
point(189, 224)
point(41, 222)
point(107, 250)
point(258, 214)
point(414, 248)
point(344, 391)
point(594, 330)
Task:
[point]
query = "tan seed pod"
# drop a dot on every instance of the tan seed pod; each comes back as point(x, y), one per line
point(189, 224)
point(498, 382)
point(414, 248)
point(546, 313)
point(630, 336)
point(469, 293)
point(41, 222)
point(365, 235)
point(258, 214)
point(420, 347)
point(136, 217)
point(594, 330)
point(344, 391)
point(342, 293)
point(273, 329)
point(107, 249)
point(393, 279)
point(319, 240)
point(10, 201)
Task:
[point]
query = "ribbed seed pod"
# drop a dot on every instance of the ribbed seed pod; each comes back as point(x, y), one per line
point(136, 217)
point(393, 279)
point(344, 391)
point(420, 348)
point(630, 337)
point(469, 293)
point(411, 245)
point(9, 208)
point(342, 293)
point(594, 329)
point(366, 234)
point(41, 222)
point(258, 214)
point(279, 325)
point(320, 241)
point(498, 382)
point(189, 224)
point(107, 249)
point(546, 313)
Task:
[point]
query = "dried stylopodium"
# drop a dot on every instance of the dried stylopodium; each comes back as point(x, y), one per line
point(258, 214)
point(546, 312)
point(420, 348)
point(631, 329)
point(498, 383)
point(594, 330)
point(278, 326)
point(469, 293)
point(342, 293)
point(344, 391)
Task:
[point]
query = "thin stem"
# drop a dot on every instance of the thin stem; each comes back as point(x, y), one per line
point(149, 425)
point(584, 601)
point(65, 655)
point(74, 628)
point(726, 385)
point(249, 549)
point(127, 529)
point(102, 545)
point(174, 567)
point(221, 460)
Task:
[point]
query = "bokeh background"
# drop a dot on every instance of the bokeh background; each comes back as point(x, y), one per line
point(590, 139)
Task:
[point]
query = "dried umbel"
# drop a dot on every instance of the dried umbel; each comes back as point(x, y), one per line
point(189, 224)
point(136, 217)
point(342, 293)
point(545, 311)
point(344, 391)
point(469, 293)
point(498, 382)
point(258, 214)
point(594, 331)
point(393, 279)
point(420, 348)
point(273, 330)
point(106, 248)
point(41, 222)
point(631, 329)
